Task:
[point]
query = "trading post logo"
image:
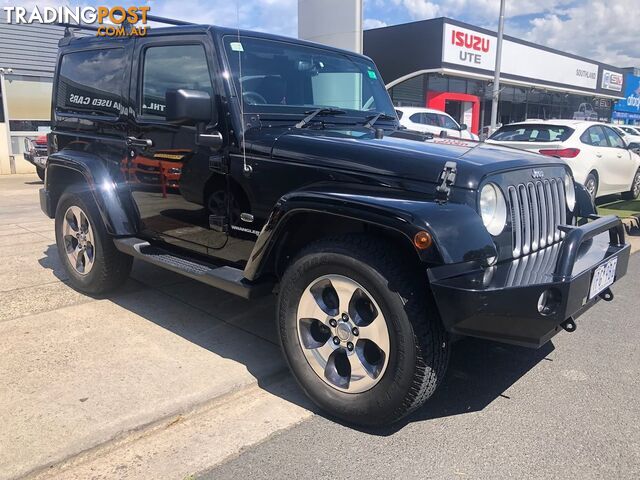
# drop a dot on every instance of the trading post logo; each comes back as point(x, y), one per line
point(111, 21)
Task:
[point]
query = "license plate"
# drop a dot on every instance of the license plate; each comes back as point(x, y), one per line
point(603, 276)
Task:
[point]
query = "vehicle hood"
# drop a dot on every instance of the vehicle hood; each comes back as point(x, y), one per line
point(401, 153)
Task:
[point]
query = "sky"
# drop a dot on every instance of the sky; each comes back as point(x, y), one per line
point(604, 30)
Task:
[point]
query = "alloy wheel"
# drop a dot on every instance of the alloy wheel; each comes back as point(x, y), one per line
point(591, 187)
point(343, 333)
point(636, 185)
point(78, 240)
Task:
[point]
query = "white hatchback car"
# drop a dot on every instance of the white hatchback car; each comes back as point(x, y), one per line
point(433, 121)
point(598, 156)
point(628, 134)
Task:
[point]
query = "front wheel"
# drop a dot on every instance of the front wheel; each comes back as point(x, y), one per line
point(40, 173)
point(86, 250)
point(358, 330)
point(634, 193)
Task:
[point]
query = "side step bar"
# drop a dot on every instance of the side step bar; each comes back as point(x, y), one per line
point(225, 278)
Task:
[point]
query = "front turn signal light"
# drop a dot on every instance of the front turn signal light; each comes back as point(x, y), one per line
point(422, 240)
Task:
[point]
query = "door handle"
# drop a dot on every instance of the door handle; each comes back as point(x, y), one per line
point(139, 142)
point(619, 155)
point(599, 155)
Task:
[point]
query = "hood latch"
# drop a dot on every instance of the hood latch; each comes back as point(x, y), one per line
point(446, 179)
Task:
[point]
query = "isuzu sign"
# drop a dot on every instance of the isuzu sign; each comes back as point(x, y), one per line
point(471, 48)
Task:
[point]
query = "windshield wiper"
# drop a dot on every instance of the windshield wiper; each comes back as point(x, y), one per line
point(311, 114)
point(374, 118)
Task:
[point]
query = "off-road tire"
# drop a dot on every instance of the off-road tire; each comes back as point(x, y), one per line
point(111, 267)
point(419, 345)
point(634, 193)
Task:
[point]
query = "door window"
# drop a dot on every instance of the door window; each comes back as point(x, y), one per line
point(594, 136)
point(614, 139)
point(171, 67)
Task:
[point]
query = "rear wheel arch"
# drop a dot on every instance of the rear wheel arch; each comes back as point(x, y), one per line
point(60, 178)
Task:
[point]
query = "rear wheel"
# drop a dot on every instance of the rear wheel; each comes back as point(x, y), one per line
point(358, 330)
point(91, 260)
point(591, 184)
point(634, 193)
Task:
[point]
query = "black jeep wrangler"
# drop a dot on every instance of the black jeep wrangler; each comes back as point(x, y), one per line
point(260, 164)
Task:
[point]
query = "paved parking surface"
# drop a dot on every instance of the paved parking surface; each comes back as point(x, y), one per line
point(567, 411)
point(168, 378)
point(80, 372)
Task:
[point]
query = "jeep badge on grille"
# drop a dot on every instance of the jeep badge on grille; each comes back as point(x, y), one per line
point(537, 173)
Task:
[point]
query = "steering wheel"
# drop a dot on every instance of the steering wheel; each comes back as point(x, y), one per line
point(253, 98)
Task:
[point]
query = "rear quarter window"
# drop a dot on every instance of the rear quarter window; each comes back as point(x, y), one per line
point(532, 133)
point(91, 81)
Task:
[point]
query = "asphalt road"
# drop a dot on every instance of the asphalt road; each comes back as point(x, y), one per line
point(569, 410)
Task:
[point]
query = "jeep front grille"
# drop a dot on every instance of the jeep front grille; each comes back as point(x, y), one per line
point(537, 208)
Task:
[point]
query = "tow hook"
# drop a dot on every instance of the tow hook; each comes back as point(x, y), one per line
point(607, 295)
point(569, 325)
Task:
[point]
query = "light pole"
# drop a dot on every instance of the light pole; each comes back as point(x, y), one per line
point(5, 111)
point(496, 76)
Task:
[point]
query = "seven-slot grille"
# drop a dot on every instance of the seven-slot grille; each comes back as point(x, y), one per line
point(537, 208)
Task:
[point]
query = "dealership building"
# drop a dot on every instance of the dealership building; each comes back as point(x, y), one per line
point(27, 61)
point(448, 65)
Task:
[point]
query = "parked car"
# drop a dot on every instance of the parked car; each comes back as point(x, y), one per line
point(598, 156)
point(628, 134)
point(428, 120)
point(35, 152)
point(381, 244)
point(635, 131)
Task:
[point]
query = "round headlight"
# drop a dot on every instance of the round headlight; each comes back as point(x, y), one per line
point(493, 209)
point(571, 192)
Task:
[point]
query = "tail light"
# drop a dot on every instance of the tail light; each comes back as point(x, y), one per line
point(562, 153)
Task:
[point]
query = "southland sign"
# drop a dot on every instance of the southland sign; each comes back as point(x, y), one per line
point(475, 49)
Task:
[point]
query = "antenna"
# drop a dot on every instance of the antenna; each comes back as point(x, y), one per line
point(245, 168)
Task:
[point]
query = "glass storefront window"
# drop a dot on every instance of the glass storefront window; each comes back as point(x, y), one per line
point(438, 83)
point(410, 93)
point(517, 103)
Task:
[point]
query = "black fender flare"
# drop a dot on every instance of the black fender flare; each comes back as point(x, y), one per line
point(457, 230)
point(115, 205)
point(584, 203)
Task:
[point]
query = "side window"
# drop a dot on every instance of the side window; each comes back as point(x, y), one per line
point(171, 67)
point(448, 122)
point(416, 118)
point(594, 136)
point(91, 81)
point(614, 139)
point(431, 119)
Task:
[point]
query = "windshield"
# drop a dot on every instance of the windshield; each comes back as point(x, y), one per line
point(532, 133)
point(281, 77)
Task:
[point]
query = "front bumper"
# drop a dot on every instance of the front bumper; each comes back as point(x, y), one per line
point(38, 159)
point(501, 302)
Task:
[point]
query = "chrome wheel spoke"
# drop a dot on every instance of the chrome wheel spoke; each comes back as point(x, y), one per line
point(376, 331)
point(310, 307)
point(358, 370)
point(344, 289)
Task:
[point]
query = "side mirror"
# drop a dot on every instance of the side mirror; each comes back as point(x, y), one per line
point(633, 146)
point(189, 107)
point(463, 126)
